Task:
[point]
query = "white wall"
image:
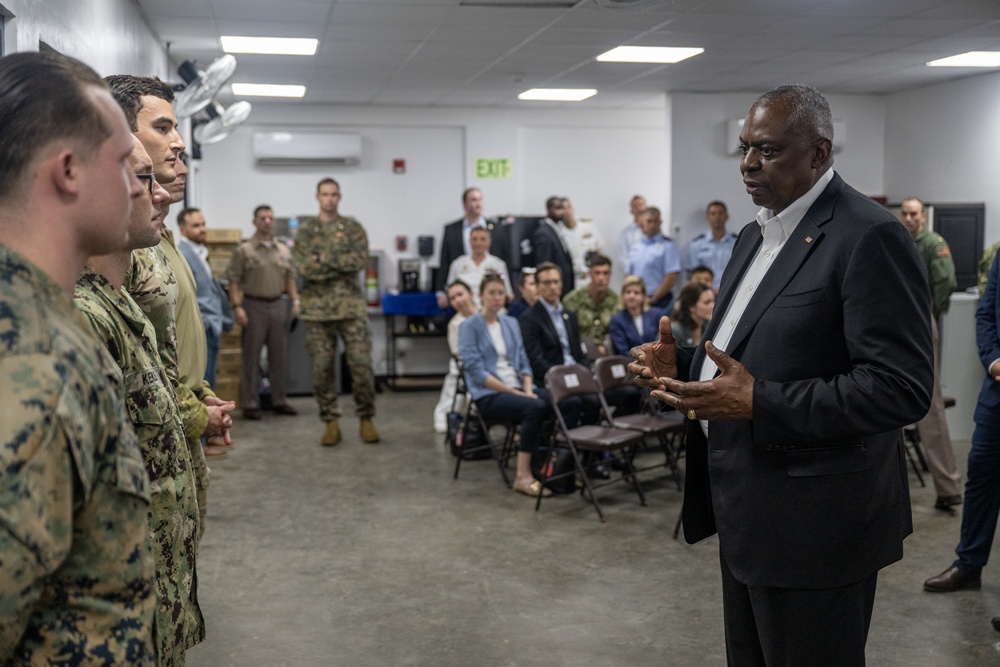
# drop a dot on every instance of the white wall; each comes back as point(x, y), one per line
point(598, 159)
point(703, 167)
point(108, 35)
point(941, 145)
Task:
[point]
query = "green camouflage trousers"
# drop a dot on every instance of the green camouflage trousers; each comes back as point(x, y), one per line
point(321, 341)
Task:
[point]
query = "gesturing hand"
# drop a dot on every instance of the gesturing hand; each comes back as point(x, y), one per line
point(729, 396)
point(656, 361)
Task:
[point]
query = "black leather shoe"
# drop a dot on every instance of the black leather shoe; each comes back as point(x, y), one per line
point(252, 413)
point(952, 579)
point(947, 503)
point(285, 409)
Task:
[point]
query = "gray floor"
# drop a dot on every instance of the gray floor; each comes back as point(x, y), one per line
point(372, 555)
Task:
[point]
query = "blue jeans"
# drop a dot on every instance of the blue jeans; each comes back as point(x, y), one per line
point(530, 413)
point(982, 500)
point(213, 355)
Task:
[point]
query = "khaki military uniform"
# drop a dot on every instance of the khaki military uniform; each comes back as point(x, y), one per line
point(594, 317)
point(328, 257)
point(173, 515)
point(76, 566)
point(161, 283)
point(262, 269)
point(933, 428)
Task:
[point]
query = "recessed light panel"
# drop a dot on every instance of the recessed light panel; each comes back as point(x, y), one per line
point(969, 59)
point(268, 90)
point(281, 46)
point(558, 94)
point(649, 54)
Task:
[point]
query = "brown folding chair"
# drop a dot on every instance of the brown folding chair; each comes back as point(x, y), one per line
point(500, 450)
point(562, 382)
point(667, 427)
point(591, 349)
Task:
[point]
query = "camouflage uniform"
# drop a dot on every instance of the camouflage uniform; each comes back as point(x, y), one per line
point(76, 568)
point(985, 263)
point(328, 257)
point(173, 515)
point(940, 269)
point(159, 290)
point(594, 318)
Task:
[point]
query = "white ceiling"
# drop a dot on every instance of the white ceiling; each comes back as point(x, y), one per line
point(451, 53)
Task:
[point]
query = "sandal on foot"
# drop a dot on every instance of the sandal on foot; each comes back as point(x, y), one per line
point(533, 489)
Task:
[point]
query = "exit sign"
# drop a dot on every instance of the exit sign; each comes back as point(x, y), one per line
point(493, 168)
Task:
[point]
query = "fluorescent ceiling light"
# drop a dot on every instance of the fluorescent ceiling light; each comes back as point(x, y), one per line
point(969, 59)
point(268, 90)
point(558, 94)
point(649, 54)
point(283, 46)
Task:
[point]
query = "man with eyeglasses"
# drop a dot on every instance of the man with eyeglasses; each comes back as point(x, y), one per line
point(155, 282)
point(129, 337)
point(471, 268)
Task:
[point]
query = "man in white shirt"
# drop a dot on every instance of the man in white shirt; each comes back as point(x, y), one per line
point(632, 232)
point(471, 268)
point(583, 240)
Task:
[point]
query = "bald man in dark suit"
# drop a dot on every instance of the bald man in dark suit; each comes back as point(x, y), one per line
point(795, 456)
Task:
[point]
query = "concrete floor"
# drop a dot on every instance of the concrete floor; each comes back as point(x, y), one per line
point(371, 555)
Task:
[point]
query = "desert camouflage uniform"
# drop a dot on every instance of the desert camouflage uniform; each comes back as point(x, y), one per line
point(158, 289)
point(173, 514)
point(328, 257)
point(76, 568)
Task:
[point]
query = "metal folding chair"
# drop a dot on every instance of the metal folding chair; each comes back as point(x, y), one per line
point(499, 451)
point(570, 380)
point(667, 428)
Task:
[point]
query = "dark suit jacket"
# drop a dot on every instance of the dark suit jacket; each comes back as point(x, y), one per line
point(624, 335)
point(813, 492)
point(453, 247)
point(548, 247)
point(988, 340)
point(541, 341)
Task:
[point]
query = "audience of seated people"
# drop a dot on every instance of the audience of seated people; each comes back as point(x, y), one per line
point(527, 287)
point(637, 322)
point(500, 379)
point(460, 298)
point(692, 313)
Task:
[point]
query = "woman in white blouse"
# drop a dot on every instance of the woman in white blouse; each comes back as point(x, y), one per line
point(499, 377)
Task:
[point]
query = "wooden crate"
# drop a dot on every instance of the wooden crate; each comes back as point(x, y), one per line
point(228, 389)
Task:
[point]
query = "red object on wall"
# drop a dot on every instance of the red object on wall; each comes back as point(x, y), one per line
point(399, 166)
point(401, 243)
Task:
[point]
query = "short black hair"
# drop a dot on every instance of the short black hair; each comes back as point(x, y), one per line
point(182, 216)
point(328, 181)
point(128, 91)
point(597, 259)
point(262, 207)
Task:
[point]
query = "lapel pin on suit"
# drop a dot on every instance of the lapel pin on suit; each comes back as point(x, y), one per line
point(809, 239)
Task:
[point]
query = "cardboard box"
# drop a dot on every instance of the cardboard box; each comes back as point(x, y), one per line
point(227, 389)
point(217, 235)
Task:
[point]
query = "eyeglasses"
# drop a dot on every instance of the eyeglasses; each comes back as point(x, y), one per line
point(148, 179)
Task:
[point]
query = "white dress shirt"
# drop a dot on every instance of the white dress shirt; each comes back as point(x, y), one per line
point(776, 230)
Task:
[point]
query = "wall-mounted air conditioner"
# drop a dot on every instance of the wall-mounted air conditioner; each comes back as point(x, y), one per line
point(306, 148)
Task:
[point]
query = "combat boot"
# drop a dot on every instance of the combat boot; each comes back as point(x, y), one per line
point(368, 431)
point(332, 435)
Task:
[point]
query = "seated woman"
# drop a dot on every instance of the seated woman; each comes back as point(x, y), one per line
point(499, 377)
point(637, 322)
point(459, 298)
point(691, 314)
